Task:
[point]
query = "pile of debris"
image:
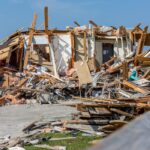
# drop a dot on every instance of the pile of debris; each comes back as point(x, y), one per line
point(106, 67)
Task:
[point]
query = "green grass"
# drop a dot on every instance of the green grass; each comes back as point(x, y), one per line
point(80, 143)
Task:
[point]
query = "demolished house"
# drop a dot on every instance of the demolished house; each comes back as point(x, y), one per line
point(106, 67)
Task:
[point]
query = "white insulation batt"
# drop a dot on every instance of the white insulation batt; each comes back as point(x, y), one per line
point(42, 39)
point(62, 51)
point(91, 46)
point(122, 48)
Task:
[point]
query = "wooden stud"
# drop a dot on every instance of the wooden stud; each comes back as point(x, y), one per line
point(121, 112)
point(46, 19)
point(125, 70)
point(31, 32)
point(93, 23)
point(72, 49)
point(141, 44)
point(84, 45)
point(76, 23)
point(135, 87)
point(21, 46)
point(8, 57)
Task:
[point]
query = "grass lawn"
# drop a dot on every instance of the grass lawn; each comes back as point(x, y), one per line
point(80, 143)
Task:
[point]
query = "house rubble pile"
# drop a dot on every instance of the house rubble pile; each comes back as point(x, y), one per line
point(106, 68)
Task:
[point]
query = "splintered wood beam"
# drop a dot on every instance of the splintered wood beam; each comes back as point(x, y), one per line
point(142, 58)
point(146, 74)
point(31, 32)
point(141, 44)
point(121, 112)
point(88, 122)
point(135, 87)
point(21, 46)
point(93, 23)
point(125, 70)
point(6, 80)
point(131, 36)
point(137, 28)
point(8, 57)
point(76, 23)
point(138, 25)
point(145, 63)
point(84, 45)
point(72, 49)
point(46, 19)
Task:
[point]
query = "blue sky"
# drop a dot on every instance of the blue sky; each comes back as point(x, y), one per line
point(15, 14)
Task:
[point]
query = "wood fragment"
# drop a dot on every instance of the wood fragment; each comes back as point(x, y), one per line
point(31, 32)
point(135, 87)
point(121, 112)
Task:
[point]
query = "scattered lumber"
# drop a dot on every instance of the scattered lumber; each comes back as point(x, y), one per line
point(135, 87)
point(53, 66)
point(50, 147)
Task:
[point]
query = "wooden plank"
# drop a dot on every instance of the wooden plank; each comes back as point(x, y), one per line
point(121, 112)
point(141, 44)
point(13, 41)
point(141, 58)
point(91, 64)
point(46, 19)
point(21, 46)
point(8, 57)
point(108, 128)
point(113, 122)
point(88, 122)
point(109, 103)
point(63, 138)
point(137, 29)
point(131, 36)
point(53, 61)
point(85, 115)
point(146, 74)
point(79, 47)
point(85, 46)
point(44, 146)
point(145, 63)
point(76, 23)
point(114, 69)
point(31, 32)
point(103, 111)
point(135, 87)
point(29, 127)
point(4, 53)
point(83, 72)
point(2, 101)
point(6, 80)
point(93, 23)
point(18, 86)
point(125, 70)
point(10, 93)
point(72, 49)
point(84, 128)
